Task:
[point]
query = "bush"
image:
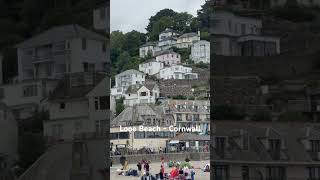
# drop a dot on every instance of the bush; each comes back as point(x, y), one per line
point(227, 112)
point(292, 116)
point(262, 115)
point(179, 97)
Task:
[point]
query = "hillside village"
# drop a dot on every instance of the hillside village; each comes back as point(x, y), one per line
point(147, 99)
point(264, 80)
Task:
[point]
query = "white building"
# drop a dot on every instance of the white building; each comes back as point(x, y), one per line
point(60, 50)
point(177, 72)
point(147, 49)
point(234, 35)
point(186, 40)
point(168, 57)
point(200, 52)
point(151, 67)
point(168, 33)
point(166, 43)
point(8, 137)
point(125, 79)
point(25, 97)
point(101, 20)
point(141, 94)
point(79, 105)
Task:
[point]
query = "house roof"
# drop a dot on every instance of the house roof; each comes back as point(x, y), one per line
point(61, 33)
point(169, 30)
point(191, 137)
point(149, 44)
point(186, 35)
point(165, 52)
point(130, 71)
point(168, 38)
point(290, 133)
point(134, 88)
point(76, 85)
point(134, 115)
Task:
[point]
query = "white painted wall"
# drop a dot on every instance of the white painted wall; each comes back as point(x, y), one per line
point(136, 98)
point(200, 52)
point(145, 50)
point(169, 58)
point(177, 72)
point(151, 68)
point(129, 79)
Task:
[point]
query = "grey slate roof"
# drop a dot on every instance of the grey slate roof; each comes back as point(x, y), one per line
point(191, 137)
point(149, 44)
point(130, 71)
point(290, 133)
point(186, 35)
point(61, 33)
point(165, 52)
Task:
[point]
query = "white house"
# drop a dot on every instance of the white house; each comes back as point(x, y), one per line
point(186, 40)
point(200, 52)
point(25, 97)
point(79, 105)
point(147, 49)
point(141, 94)
point(168, 57)
point(167, 33)
point(235, 35)
point(61, 50)
point(8, 137)
point(125, 79)
point(101, 17)
point(177, 72)
point(151, 67)
point(167, 43)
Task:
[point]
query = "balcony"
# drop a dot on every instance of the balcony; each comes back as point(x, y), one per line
point(50, 56)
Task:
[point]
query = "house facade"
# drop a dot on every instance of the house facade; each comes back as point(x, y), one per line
point(168, 33)
point(249, 150)
point(79, 105)
point(234, 35)
point(126, 79)
point(26, 97)
point(141, 94)
point(191, 113)
point(200, 52)
point(166, 43)
point(186, 40)
point(168, 57)
point(177, 72)
point(61, 50)
point(147, 49)
point(148, 116)
point(151, 67)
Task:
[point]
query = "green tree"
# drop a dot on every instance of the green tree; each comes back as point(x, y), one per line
point(158, 16)
point(159, 26)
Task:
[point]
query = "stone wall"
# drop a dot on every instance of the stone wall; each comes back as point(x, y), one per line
point(133, 159)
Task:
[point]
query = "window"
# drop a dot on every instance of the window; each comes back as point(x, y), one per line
point(101, 127)
point(143, 93)
point(245, 173)
point(114, 135)
point(104, 47)
point(179, 117)
point(124, 135)
point(102, 12)
point(275, 148)
point(57, 131)
point(313, 173)
point(62, 106)
point(276, 173)
point(315, 146)
point(220, 172)
point(243, 29)
point(30, 90)
point(1, 93)
point(102, 103)
point(139, 135)
point(84, 43)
